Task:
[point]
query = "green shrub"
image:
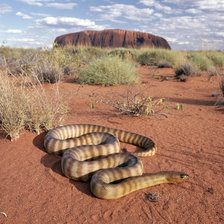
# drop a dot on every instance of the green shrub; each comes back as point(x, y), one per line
point(123, 53)
point(108, 71)
point(216, 57)
point(200, 60)
point(159, 57)
point(147, 58)
point(79, 56)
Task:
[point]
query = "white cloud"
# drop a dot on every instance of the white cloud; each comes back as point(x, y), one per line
point(212, 5)
point(188, 22)
point(183, 42)
point(158, 14)
point(4, 8)
point(68, 22)
point(220, 34)
point(39, 14)
point(147, 2)
point(32, 2)
point(193, 11)
point(30, 40)
point(164, 8)
point(35, 2)
point(13, 31)
point(59, 30)
point(26, 40)
point(111, 12)
point(205, 5)
point(171, 39)
point(24, 16)
point(61, 5)
point(157, 5)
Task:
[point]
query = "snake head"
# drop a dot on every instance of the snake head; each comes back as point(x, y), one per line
point(176, 177)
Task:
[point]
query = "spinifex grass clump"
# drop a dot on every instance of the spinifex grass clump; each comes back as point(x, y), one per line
point(200, 60)
point(124, 53)
point(78, 56)
point(28, 108)
point(108, 70)
point(217, 57)
point(159, 57)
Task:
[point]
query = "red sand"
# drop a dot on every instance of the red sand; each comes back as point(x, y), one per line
point(34, 190)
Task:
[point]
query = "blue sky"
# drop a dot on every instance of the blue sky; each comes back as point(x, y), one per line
point(185, 24)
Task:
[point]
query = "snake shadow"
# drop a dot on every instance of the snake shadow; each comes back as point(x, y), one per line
point(38, 141)
point(53, 162)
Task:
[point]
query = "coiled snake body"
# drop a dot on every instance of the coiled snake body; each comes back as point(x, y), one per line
point(94, 150)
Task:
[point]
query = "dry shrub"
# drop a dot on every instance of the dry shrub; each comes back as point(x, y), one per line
point(186, 68)
point(12, 101)
point(25, 107)
point(134, 102)
point(138, 105)
point(45, 111)
point(48, 70)
point(164, 64)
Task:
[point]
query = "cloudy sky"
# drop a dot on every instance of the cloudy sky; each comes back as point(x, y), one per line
point(185, 24)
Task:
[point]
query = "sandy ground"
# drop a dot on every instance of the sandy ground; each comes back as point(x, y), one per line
point(34, 190)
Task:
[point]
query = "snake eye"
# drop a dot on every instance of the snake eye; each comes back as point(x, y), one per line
point(183, 176)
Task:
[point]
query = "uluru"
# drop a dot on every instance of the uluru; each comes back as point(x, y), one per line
point(112, 38)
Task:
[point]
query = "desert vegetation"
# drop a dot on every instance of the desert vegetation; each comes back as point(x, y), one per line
point(60, 61)
point(108, 70)
point(25, 105)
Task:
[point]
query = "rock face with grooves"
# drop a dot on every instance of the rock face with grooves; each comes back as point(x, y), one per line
point(112, 38)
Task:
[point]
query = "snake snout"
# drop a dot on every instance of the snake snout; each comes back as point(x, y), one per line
point(184, 176)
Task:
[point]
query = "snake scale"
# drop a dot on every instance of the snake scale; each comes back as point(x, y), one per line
point(92, 151)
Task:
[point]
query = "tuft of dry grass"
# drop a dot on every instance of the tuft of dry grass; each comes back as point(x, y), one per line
point(200, 60)
point(186, 68)
point(24, 107)
point(12, 114)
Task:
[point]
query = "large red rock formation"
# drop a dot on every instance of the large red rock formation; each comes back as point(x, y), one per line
point(112, 38)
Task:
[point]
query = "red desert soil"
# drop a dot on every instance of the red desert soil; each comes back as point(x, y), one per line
point(34, 190)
